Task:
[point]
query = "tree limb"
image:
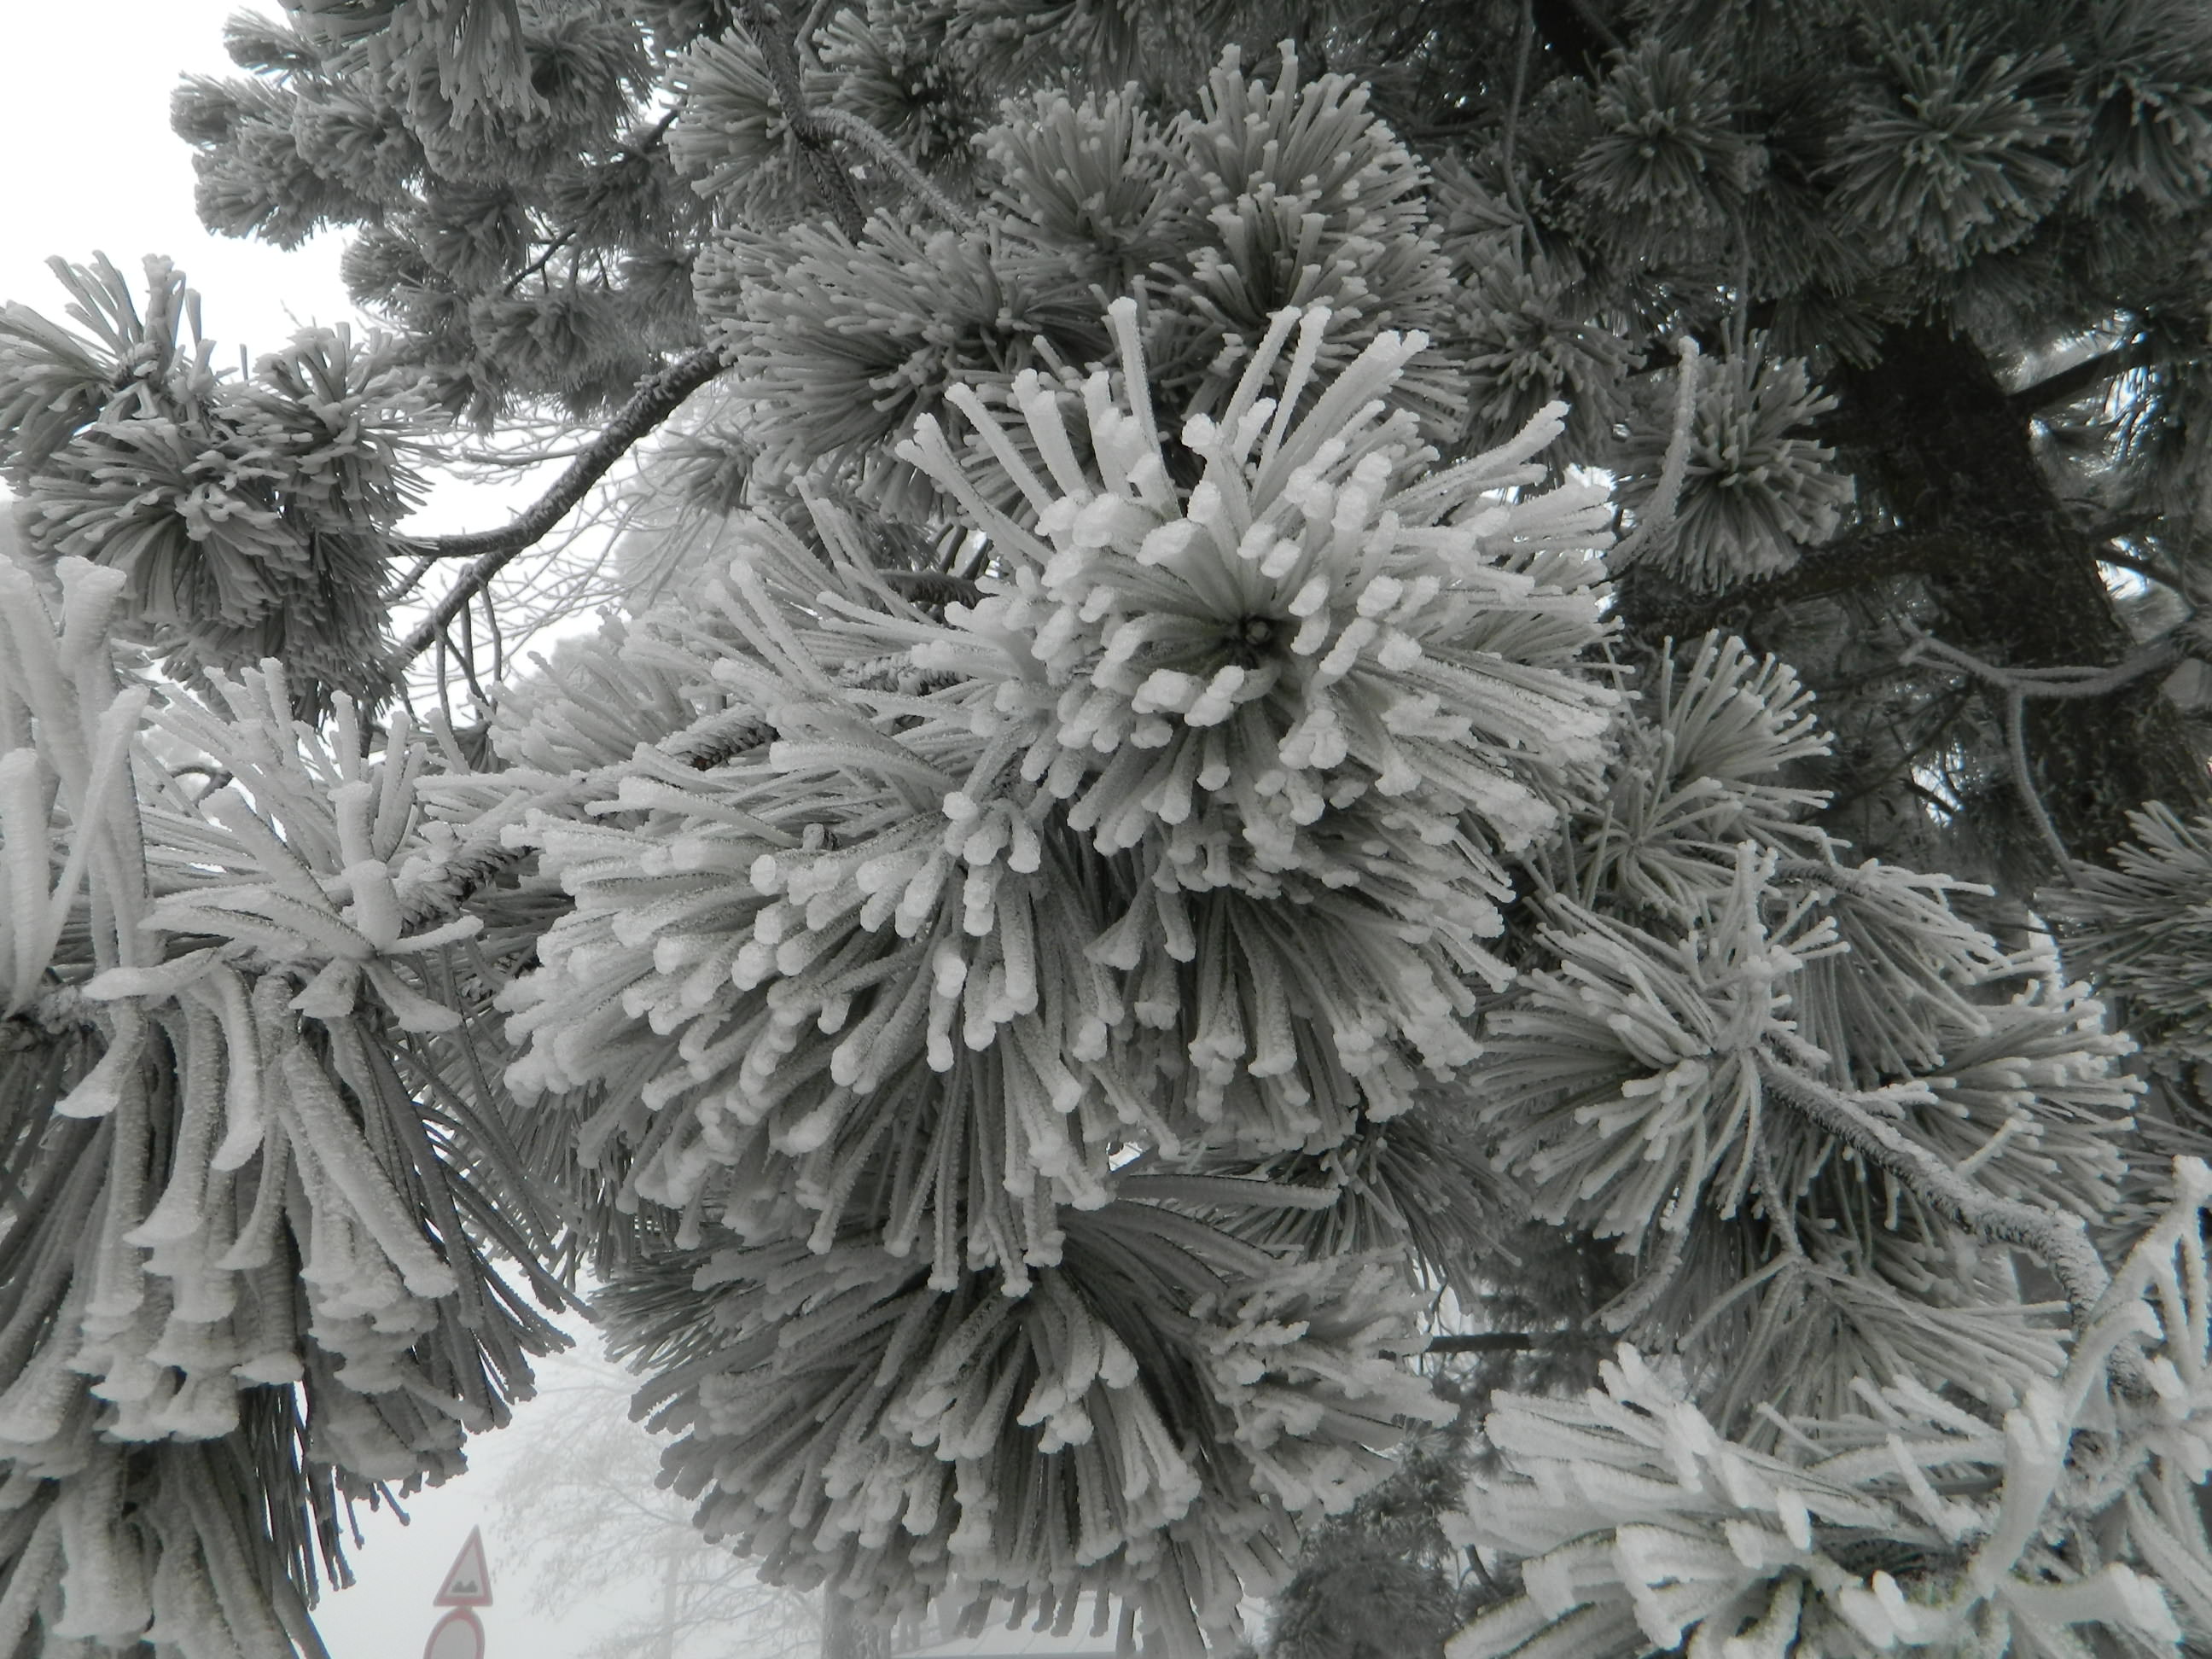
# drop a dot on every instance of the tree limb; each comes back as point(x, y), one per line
point(2054, 1237)
point(1488, 1342)
point(657, 134)
point(932, 587)
point(657, 397)
point(2070, 382)
point(818, 130)
point(1833, 568)
point(2160, 655)
point(2023, 778)
point(763, 22)
point(851, 126)
point(540, 262)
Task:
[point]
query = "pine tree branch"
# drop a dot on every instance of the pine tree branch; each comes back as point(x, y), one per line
point(2018, 685)
point(657, 397)
point(1488, 1342)
point(657, 134)
point(850, 126)
point(2107, 554)
point(413, 579)
point(484, 853)
point(540, 262)
point(818, 129)
point(2023, 780)
point(2070, 382)
point(763, 22)
point(2056, 1237)
point(710, 741)
point(1836, 567)
point(2164, 653)
point(1573, 26)
point(932, 587)
point(1512, 125)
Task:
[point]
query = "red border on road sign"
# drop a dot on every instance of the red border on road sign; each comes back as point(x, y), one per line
point(458, 1616)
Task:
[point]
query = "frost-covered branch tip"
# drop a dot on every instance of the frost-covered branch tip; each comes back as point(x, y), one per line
point(2057, 1239)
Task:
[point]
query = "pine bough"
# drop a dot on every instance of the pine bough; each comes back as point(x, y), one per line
point(944, 1026)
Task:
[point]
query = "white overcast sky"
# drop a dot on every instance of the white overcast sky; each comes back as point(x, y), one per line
point(93, 168)
point(92, 165)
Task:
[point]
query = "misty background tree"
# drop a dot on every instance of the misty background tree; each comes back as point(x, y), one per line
point(599, 1535)
point(1296, 686)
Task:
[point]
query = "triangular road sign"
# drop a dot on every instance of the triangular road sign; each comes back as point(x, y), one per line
point(468, 1581)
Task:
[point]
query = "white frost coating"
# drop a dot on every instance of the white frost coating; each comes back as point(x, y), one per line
point(1226, 670)
point(243, 1137)
point(1628, 1504)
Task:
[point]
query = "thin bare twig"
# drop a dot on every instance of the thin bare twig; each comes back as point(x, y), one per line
point(2023, 780)
point(540, 262)
point(422, 567)
point(467, 655)
point(443, 676)
point(656, 398)
point(493, 458)
point(498, 643)
point(1523, 36)
point(2018, 685)
point(2161, 654)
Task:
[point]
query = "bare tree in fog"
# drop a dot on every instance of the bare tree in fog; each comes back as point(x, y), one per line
point(601, 1537)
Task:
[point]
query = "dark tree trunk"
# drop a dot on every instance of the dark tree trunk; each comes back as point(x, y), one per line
point(1937, 441)
point(1960, 522)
